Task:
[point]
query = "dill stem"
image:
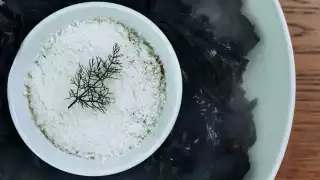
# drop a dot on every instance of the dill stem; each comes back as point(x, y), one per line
point(100, 79)
point(72, 103)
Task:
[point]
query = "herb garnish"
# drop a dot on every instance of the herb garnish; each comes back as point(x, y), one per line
point(91, 90)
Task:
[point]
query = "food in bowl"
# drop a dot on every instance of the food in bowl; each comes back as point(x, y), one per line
point(96, 88)
point(188, 153)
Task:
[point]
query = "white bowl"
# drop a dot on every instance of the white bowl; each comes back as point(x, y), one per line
point(21, 115)
point(270, 78)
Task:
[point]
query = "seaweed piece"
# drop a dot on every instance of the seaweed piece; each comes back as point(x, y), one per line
point(215, 127)
point(10, 38)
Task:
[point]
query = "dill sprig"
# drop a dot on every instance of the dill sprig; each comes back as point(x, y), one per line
point(91, 90)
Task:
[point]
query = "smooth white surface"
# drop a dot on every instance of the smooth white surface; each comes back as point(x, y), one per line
point(270, 78)
point(30, 47)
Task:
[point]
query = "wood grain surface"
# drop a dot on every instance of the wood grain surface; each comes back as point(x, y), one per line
point(302, 159)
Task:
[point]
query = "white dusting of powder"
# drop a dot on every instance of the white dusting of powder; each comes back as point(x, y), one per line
point(2, 2)
point(139, 92)
point(208, 112)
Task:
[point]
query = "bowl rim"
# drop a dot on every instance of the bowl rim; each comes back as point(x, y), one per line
point(288, 128)
point(176, 106)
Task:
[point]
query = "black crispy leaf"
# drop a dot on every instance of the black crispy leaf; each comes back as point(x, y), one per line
point(215, 126)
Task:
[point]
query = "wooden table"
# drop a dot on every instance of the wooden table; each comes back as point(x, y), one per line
point(302, 159)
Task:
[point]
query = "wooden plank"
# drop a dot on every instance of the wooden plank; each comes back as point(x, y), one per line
point(302, 159)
